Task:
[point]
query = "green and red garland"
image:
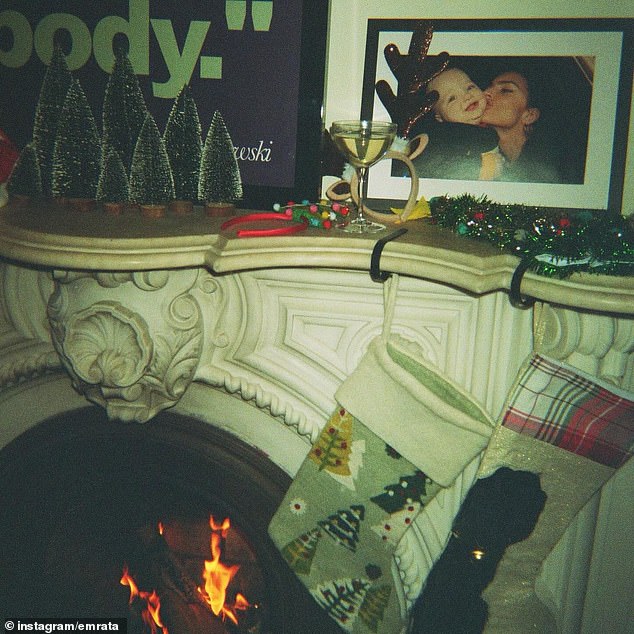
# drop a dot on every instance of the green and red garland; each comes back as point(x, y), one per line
point(555, 243)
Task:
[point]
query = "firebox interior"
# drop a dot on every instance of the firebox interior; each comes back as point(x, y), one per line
point(83, 496)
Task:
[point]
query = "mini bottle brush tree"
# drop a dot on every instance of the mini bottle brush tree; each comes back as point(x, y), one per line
point(183, 143)
point(220, 183)
point(113, 188)
point(57, 81)
point(151, 181)
point(124, 109)
point(77, 153)
point(131, 161)
point(25, 180)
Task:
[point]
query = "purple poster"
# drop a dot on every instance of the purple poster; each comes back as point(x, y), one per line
point(259, 62)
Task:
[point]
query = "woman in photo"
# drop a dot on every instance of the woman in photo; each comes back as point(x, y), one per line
point(529, 154)
point(531, 130)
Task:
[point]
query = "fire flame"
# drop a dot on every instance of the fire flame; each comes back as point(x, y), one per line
point(151, 612)
point(217, 576)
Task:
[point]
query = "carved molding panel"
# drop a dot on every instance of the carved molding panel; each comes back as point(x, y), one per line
point(131, 342)
point(286, 339)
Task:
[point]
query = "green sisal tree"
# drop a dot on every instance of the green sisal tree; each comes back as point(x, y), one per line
point(57, 81)
point(220, 180)
point(77, 153)
point(25, 180)
point(124, 109)
point(113, 185)
point(183, 142)
point(151, 181)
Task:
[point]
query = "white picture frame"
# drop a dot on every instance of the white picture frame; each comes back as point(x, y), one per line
point(607, 42)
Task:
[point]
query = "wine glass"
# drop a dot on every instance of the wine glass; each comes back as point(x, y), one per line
point(363, 143)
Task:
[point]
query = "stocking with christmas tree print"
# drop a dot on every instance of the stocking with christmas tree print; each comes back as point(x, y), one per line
point(574, 432)
point(401, 434)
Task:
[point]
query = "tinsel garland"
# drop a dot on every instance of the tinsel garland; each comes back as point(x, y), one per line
point(555, 243)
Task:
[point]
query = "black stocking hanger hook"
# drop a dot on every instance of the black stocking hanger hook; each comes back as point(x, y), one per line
point(515, 295)
point(376, 273)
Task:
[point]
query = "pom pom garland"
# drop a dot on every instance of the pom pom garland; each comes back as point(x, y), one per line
point(304, 215)
point(320, 215)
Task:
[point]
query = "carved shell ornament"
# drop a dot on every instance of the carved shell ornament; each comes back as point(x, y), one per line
point(108, 345)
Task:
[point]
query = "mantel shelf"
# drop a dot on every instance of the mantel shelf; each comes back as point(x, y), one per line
point(61, 238)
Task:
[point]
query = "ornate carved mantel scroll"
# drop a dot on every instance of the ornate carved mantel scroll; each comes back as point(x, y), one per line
point(601, 345)
point(26, 351)
point(130, 341)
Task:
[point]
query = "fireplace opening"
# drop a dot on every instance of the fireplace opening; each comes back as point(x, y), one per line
point(163, 524)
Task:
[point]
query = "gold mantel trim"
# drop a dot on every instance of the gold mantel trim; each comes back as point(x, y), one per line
point(58, 237)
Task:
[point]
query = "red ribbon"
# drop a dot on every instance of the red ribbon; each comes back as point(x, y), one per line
point(261, 233)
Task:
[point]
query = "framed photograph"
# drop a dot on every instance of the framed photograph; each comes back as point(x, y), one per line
point(578, 73)
point(260, 63)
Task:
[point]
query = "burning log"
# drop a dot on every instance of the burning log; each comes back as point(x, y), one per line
point(191, 589)
point(188, 618)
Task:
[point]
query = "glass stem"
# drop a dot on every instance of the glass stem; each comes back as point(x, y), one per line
point(362, 173)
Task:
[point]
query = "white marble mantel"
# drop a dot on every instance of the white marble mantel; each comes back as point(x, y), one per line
point(57, 237)
point(256, 334)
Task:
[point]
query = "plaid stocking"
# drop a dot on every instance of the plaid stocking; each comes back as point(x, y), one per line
point(402, 432)
point(574, 433)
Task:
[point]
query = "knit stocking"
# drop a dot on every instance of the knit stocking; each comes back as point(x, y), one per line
point(574, 433)
point(402, 432)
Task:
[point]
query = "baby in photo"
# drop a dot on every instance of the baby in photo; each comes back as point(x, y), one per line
point(460, 99)
point(458, 148)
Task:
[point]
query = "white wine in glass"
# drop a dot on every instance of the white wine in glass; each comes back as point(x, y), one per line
point(363, 143)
